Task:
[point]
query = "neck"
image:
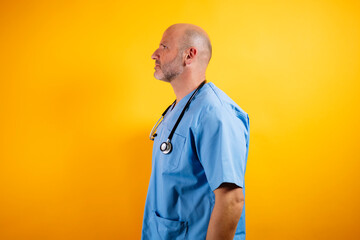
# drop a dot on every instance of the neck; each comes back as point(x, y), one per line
point(184, 86)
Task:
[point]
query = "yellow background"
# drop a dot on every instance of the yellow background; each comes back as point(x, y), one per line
point(78, 99)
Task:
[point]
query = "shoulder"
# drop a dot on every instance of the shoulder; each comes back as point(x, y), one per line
point(215, 105)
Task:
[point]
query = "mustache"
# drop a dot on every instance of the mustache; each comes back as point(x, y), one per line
point(157, 62)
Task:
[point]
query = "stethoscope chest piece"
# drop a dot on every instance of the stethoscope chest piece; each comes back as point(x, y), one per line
point(166, 147)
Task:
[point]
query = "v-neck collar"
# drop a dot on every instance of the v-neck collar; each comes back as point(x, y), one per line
point(181, 104)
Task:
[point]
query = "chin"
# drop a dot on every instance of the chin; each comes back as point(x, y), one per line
point(160, 77)
point(157, 76)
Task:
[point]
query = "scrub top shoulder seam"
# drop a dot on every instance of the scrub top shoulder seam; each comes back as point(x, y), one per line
point(209, 107)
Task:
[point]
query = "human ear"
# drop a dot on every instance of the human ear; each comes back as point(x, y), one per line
point(190, 55)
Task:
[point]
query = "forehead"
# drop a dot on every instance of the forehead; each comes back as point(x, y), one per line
point(171, 37)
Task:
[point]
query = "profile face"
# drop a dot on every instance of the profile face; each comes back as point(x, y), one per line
point(168, 59)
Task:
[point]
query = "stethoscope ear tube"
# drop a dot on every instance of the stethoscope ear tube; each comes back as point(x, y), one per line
point(153, 130)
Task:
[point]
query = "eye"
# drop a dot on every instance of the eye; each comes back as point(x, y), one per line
point(163, 46)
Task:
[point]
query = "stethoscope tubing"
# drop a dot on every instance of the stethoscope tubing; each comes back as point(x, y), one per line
point(183, 111)
point(152, 134)
point(166, 147)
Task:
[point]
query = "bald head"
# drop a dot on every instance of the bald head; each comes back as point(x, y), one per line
point(183, 54)
point(190, 35)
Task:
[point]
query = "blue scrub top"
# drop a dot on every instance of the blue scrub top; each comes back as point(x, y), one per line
point(210, 147)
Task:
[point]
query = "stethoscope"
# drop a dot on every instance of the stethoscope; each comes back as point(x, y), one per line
point(166, 147)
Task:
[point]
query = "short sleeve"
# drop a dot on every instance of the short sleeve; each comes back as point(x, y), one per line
point(221, 140)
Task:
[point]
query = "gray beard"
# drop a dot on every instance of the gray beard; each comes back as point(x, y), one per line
point(174, 69)
point(169, 76)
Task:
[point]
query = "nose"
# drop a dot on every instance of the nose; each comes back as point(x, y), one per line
point(155, 55)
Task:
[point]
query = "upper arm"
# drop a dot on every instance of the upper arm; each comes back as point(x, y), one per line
point(229, 192)
point(221, 145)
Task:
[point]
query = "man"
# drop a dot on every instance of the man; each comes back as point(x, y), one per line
point(196, 189)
